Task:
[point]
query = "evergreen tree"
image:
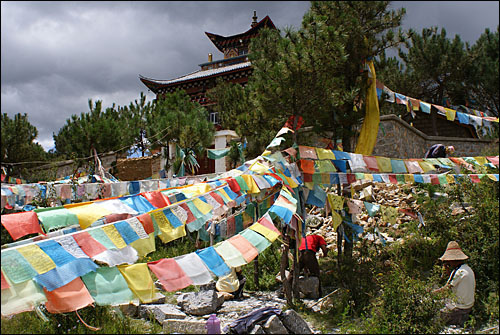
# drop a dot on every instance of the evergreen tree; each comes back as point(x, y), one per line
point(174, 118)
point(482, 85)
point(97, 129)
point(316, 72)
point(17, 144)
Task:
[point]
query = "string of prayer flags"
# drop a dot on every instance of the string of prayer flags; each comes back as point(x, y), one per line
point(107, 286)
point(170, 274)
point(213, 261)
point(139, 281)
point(68, 298)
point(194, 268)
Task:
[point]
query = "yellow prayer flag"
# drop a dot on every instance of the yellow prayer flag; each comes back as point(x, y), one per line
point(144, 246)
point(115, 236)
point(139, 281)
point(336, 201)
point(202, 206)
point(259, 168)
point(427, 167)
point(481, 160)
point(37, 258)
point(336, 219)
point(450, 114)
point(324, 153)
point(168, 232)
point(266, 232)
point(384, 164)
point(253, 188)
point(88, 214)
point(368, 176)
point(450, 179)
point(369, 129)
point(409, 178)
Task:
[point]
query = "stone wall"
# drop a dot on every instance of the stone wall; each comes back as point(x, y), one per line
point(138, 168)
point(397, 139)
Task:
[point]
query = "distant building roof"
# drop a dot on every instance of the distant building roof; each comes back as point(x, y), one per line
point(195, 75)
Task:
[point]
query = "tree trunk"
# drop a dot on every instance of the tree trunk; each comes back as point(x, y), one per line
point(256, 272)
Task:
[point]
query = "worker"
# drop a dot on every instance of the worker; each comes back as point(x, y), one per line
point(439, 151)
point(462, 283)
point(232, 283)
point(309, 246)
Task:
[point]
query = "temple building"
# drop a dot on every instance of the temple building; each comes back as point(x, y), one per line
point(234, 67)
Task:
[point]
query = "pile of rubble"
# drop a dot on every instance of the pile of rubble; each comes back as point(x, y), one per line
point(392, 195)
point(191, 311)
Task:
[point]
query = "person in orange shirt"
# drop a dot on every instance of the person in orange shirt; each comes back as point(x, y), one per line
point(309, 246)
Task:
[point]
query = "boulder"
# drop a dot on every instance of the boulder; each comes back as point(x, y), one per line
point(294, 323)
point(257, 330)
point(273, 325)
point(175, 326)
point(200, 303)
point(309, 287)
point(161, 312)
point(131, 309)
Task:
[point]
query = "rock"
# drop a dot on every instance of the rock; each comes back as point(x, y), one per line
point(131, 309)
point(184, 326)
point(162, 312)
point(200, 303)
point(294, 323)
point(257, 330)
point(273, 325)
point(309, 287)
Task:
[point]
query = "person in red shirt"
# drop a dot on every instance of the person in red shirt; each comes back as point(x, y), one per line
point(309, 246)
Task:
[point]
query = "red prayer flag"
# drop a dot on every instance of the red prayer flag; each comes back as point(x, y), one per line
point(88, 244)
point(474, 178)
point(68, 298)
point(190, 215)
point(21, 224)
point(147, 223)
point(371, 163)
point(493, 159)
point(351, 178)
point(5, 284)
point(289, 123)
point(434, 179)
point(393, 179)
point(268, 224)
point(307, 177)
point(156, 198)
point(170, 274)
point(233, 185)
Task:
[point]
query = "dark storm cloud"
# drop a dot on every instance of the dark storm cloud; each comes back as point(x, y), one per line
point(57, 55)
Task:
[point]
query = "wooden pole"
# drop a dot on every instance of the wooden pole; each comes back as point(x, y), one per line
point(287, 289)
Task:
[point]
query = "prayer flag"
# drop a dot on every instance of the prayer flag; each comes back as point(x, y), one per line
point(21, 224)
point(107, 286)
point(170, 274)
point(214, 261)
point(139, 281)
point(68, 298)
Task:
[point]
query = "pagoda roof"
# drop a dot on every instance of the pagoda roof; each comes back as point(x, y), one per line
point(155, 83)
point(221, 41)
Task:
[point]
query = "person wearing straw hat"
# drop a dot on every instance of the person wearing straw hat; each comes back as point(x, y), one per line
point(462, 283)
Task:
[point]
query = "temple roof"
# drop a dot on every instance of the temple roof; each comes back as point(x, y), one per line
point(222, 41)
point(194, 75)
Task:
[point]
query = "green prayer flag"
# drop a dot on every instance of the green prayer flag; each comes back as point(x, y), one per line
point(217, 153)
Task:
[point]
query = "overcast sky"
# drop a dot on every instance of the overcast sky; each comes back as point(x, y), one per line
point(55, 56)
